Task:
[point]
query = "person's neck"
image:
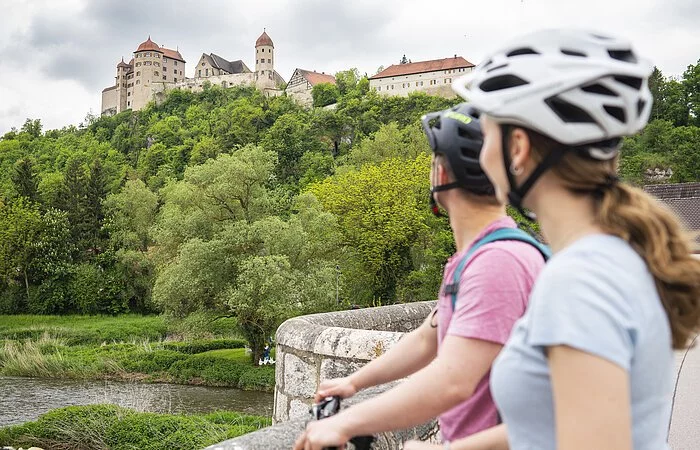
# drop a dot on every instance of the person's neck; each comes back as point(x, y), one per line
point(468, 219)
point(563, 217)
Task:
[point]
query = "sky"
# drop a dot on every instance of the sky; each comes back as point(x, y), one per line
point(56, 56)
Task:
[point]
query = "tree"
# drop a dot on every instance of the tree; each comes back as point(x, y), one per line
point(32, 128)
point(74, 202)
point(691, 84)
point(130, 215)
point(20, 227)
point(290, 137)
point(324, 94)
point(25, 180)
point(389, 142)
point(382, 210)
point(95, 193)
point(346, 80)
point(266, 296)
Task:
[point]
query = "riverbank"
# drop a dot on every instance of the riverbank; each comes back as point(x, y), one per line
point(131, 348)
point(112, 427)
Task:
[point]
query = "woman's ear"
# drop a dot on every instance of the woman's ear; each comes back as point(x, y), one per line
point(520, 150)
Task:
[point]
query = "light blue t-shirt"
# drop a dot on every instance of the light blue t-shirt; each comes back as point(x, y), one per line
point(597, 296)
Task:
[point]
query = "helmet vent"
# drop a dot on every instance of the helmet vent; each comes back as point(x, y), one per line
point(466, 133)
point(633, 82)
point(640, 107)
point(616, 112)
point(567, 112)
point(623, 55)
point(598, 89)
point(500, 66)
point(573, 53)
point(502, 82)
point(601, 37)
point(522, 51)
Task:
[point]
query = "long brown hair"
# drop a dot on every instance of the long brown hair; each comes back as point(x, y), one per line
point(652, 230)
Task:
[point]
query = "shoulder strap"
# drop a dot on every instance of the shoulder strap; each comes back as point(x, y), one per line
point(501, 234)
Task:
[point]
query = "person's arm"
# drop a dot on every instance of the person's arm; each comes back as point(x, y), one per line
point(591, 401)
point(413, 352)
point(449, 380)
point(495, 438)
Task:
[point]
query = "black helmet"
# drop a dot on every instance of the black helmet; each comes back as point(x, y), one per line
point(455, 133)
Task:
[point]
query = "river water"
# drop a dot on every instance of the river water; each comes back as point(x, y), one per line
point(24, 399)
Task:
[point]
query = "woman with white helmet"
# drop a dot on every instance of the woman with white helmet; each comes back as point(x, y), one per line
point(590, 364)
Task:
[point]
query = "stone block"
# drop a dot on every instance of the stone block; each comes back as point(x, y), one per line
point(355, 344)
point(300, 377)
point(334, 368)
point(281, 413)
point(299, 410)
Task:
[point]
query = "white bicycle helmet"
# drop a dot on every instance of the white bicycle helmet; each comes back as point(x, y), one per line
point(574, 86)
point(583, 90)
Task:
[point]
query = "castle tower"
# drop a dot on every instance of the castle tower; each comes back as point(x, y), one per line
point(264, 61)
point(122, 70)
point(147, 69)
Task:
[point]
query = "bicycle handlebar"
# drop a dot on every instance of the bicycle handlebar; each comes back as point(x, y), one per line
point(330, 406)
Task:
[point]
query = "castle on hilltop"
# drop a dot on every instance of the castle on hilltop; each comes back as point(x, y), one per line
point(154, 70)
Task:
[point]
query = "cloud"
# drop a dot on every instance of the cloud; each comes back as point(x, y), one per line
point(64, 52)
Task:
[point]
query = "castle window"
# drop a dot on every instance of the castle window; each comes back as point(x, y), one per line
point(155, 72)
point(148, 54)
point(164, 77)
point(138, 81)
point(138, 74)
point(138, 64)
point(176, 80)
point(379, 88)
point(165, 69)
point(175, 63)
point(148, 63)
point(165, 60)
point(128, 103)
point(156, 64)
point(200, 72)
point(128, 94)
point(223, 84)
point(157, 55)
point(206, 71)
point(269, 61)
point(202, 63)
point(181, 72)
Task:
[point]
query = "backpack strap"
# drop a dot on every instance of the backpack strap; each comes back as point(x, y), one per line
point(501, 234)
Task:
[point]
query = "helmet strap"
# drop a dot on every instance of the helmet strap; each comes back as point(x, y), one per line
point(517, 194)
point(434, 207)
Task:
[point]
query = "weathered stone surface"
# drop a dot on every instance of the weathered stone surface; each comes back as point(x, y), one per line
point(279, 367)
point(334, 368)
point(299, 377)
point(356, 344)
point(299, 409)
point(283, 435)
point(280, 413)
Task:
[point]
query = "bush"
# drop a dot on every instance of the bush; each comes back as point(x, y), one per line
point(200, 346)
point(108, 427)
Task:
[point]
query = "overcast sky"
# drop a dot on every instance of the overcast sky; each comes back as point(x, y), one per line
point(56, 56)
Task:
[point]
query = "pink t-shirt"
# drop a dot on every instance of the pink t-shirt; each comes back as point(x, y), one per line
point(493, 293)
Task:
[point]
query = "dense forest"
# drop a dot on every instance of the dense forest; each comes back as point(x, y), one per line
point(232, 202)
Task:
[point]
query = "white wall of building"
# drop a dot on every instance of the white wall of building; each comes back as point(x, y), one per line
point(424, 82)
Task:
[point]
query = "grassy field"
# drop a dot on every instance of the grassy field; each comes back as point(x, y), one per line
point(130, 347)
point(102, 427)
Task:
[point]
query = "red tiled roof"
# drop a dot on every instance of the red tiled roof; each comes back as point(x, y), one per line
point(423, 66)
point(264, 39)
point(683, 198)
point(123, 64)
point(316, 78)
point(172, 54)
point(148, 45)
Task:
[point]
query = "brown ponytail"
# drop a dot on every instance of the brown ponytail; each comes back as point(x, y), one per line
point(651, 229)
